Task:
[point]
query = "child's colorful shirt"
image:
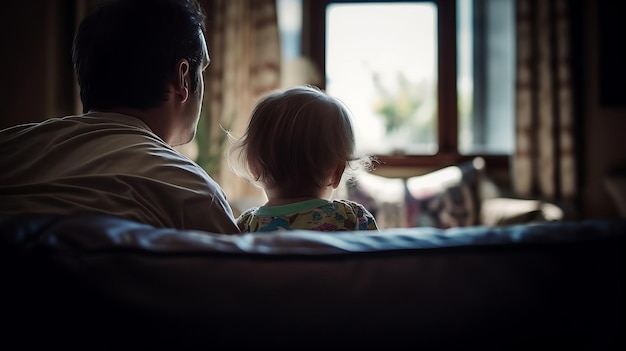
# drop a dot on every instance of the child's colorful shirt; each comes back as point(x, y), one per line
point(315, 214)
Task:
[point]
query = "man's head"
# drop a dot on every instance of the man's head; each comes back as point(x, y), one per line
point(129, 53)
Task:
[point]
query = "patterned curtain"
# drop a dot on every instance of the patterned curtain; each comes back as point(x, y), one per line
point(544, 164)
point(244, 46)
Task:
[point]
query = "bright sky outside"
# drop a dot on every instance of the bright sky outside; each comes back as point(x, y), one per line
point(385, 38)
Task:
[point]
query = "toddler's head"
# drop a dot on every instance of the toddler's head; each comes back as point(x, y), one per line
point(296, 141)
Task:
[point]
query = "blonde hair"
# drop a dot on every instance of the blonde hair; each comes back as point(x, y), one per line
point(294, 141)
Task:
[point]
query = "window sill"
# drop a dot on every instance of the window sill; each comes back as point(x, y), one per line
point(405, 166)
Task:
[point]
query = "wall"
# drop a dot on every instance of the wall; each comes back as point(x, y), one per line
point(37, 78)
point(604, 127)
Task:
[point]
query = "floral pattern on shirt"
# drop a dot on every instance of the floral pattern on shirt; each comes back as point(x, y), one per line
point(318, 215)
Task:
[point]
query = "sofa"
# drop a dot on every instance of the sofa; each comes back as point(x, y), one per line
point(458, 195)
point(93, 281)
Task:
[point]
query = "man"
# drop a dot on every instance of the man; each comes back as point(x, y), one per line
point(139, 65)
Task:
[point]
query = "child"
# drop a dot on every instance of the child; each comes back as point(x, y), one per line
point(296, 147)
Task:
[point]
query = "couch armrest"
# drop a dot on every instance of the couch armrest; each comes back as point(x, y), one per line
point(507, 211)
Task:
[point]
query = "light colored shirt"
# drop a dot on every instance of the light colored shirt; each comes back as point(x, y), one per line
point(107, 163)
point(315, 214)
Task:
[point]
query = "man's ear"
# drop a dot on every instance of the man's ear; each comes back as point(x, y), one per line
point(337, 174)
point(182, 79)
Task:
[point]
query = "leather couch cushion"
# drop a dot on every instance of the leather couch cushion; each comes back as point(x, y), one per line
point(106, 280)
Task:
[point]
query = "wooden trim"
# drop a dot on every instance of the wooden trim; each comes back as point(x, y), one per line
point(447, 72)
point(409, 166)
point(440, 160)
point(313, 34)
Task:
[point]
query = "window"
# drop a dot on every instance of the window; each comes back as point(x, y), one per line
point(385, 73)
point(485, 75)
point(290, 27)
point(431, 83)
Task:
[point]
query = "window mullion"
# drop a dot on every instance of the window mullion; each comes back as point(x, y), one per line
point(447, 71)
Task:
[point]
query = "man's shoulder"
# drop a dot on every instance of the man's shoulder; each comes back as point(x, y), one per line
point(109, 123)
point(102, 145)
point(83, 127)
point(246, 215)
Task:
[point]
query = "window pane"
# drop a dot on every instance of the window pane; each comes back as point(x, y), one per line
point(381, 60)
point(290, 26)
point(486, 75)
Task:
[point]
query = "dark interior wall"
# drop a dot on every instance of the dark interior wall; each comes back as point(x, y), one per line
point(604, 123)
point(612, 55)
point(37, 78)
point(22, 92)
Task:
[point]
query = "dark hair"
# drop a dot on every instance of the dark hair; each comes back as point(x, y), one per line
point(125, 51)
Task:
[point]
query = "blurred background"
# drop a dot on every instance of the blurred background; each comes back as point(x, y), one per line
point(535, 89)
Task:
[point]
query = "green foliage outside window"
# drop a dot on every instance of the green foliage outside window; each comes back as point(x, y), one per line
point(405, 109)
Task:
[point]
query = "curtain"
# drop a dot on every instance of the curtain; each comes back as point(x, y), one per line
point(38, 81)
point(544, 163)
point(244, 46)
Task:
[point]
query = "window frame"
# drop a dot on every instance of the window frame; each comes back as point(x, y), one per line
point(314, 46)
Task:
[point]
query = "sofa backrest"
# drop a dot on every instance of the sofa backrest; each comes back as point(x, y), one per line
point(531, 285)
